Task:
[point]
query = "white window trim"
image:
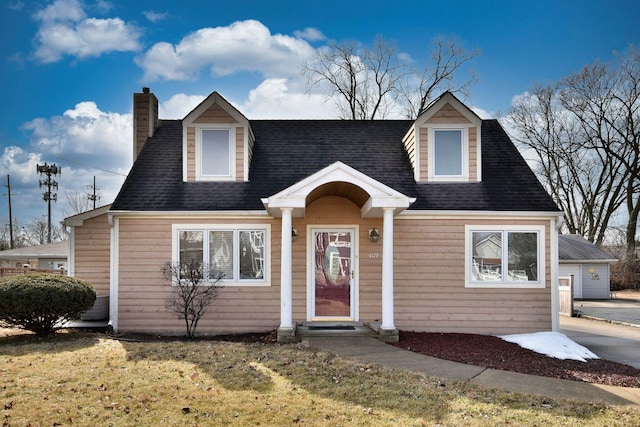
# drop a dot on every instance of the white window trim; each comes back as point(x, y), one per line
point(205, 228)
point(504, 284)
point(232, 152)
point(432, 158)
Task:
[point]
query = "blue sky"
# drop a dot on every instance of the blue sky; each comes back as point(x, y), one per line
point(70, 67)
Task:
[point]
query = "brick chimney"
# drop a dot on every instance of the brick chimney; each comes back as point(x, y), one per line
point(145, 119)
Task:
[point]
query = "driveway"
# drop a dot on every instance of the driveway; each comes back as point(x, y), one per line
point(613, 337)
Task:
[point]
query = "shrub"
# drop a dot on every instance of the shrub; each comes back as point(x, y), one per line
point(43, 302)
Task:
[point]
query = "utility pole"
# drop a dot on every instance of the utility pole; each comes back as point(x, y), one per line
point(93, 197)
point(10, 216)
point(49, 183)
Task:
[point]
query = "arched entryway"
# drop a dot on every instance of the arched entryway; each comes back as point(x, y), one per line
point(374, 200)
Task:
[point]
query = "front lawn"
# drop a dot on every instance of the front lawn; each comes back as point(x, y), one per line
point(89, 379)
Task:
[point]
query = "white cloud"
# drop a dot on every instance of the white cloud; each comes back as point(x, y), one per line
point(241, 46)
point(278, 99)
point(154, 16)
point(66, 30)
point(61, 11)
point(16, 5)
point(85, 132)
point(179, 105)
point(85, 142)
point(311, 34)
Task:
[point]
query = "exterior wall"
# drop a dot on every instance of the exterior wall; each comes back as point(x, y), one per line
point(216, 115)
point(429, 288)
point(191, 154)
point(448, 115)
point(409, 142)
point(338, 211)
point(240, 154)
point(588, 285)
point(423, 133)
point(429, 283)
point(566, 270)
point(92, 256)
point(595, 281)
point(145, 246)
point(473, 154)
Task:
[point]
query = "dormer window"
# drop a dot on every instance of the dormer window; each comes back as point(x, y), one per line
point(448, 158)
point(215, 153)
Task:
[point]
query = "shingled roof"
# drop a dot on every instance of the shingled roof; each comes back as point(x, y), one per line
point(287, 151)
point(572, 248)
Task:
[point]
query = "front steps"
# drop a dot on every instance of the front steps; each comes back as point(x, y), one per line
point(336, 329)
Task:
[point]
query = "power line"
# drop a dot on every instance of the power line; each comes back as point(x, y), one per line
point(90, 166)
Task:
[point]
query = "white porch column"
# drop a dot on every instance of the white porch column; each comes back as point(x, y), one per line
point(286, 298)
point(387, 270)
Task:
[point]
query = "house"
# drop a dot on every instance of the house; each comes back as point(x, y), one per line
point(327, 222)
point(50, 256)
point(588, 264)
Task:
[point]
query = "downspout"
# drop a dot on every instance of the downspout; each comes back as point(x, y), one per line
point(113, 271)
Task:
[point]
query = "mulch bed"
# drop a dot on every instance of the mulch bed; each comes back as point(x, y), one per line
point(493, 352)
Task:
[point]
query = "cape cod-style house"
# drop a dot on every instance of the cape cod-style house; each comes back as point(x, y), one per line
point(434, 224)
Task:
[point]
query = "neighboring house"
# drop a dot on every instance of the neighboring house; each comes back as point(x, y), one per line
point(52, 256)
point(383, 222)
point(588, 264)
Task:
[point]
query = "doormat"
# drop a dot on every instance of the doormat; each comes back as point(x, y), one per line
point(332, 328)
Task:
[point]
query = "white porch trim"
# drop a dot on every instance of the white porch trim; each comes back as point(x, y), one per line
point(286, 288)
point(387, 271)
point(383, 201)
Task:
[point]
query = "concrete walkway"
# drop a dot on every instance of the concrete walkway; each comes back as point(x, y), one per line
point(609, 341)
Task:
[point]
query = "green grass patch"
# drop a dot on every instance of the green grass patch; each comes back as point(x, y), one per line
point(88, 379)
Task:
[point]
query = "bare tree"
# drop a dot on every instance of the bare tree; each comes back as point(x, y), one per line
point(585, 133)
point(369, 83)
point(194, 290)
point(586, 184)
point(78, 202)
point(448, 58)
point(37, 231)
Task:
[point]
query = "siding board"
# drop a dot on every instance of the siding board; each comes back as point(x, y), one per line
point(429, 288)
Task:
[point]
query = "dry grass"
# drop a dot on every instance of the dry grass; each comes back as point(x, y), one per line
point(88, 379)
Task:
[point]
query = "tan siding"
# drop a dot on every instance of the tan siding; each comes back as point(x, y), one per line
point(410, 146)
point(448, 115)
point(424, 154)
point(473, 154)
point(240, 154)
point(250, 153)
point(145, 245)
point(429, 266)
point(191, 154)
point(92, 254)
point(430, 292)
point(215, 114)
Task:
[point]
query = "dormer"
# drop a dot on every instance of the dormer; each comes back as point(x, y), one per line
point(444, 142)
point(217, 142)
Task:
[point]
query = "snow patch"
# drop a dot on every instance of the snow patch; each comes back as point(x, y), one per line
point(552, 344)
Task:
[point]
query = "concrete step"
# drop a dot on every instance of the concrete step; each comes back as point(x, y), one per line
point(334, 329)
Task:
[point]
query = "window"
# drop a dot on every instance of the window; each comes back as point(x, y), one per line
point(215, 153)
point(508, 257)
point(447, 153)
point(447, 150)
point(237, 254)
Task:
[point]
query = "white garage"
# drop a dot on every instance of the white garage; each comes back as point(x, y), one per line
point(588, 264)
